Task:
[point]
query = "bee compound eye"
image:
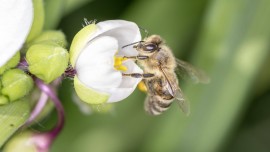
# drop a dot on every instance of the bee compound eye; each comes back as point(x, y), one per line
point(150, 47)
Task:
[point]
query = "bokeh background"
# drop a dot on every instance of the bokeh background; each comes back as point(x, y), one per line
point(228, 39)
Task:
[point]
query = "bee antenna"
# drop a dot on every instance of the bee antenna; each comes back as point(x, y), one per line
point(131, 44)
point(145, 31)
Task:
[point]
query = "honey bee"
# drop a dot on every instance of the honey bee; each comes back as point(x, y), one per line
point(160, 68)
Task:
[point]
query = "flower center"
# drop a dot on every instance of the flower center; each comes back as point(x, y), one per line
point(118, 63)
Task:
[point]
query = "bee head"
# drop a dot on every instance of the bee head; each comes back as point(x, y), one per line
point(146, 47)
point(149, 45)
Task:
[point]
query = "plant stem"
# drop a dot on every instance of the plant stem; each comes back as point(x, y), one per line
point(38, 108)
point(45, 88)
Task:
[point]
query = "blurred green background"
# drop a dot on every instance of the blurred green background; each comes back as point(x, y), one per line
point(229, 39)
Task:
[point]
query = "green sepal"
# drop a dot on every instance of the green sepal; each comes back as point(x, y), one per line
point(47, 60)
point(13, 62)
point(89, 95)
point(16, 84)
point(79, 41)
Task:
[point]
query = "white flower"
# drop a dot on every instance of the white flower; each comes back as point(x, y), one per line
point(16, 19)
point(94, 60)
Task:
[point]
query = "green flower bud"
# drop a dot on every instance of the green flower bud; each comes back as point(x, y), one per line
point(3, 100)
point(16, 84)
point(47, 60)
point(38, 22)
point(11, 63)
point(21, 142)
point(57, 37)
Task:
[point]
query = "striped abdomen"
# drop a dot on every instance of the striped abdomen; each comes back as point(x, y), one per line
point(159, 98)
point(155, 105)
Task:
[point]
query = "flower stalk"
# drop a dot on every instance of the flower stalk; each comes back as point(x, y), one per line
point(45, 88)
point(38, 108)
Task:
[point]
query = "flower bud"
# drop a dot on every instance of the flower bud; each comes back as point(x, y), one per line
point(11, 63)
point(3, 100)
point(47, 60)
point(16, 84)
point(21, 142)
point(37, 25)
point(57, 37)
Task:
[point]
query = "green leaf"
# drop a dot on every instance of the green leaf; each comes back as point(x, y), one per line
point(12, 117)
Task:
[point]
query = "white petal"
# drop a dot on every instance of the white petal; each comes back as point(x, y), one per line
point(127, 85)
point(128, 82)
point(95, 64)
point(16, 19)
point(124, 31)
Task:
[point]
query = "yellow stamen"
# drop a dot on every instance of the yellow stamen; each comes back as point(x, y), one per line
point(121, 68)
point(142, 87)
point(118, 63)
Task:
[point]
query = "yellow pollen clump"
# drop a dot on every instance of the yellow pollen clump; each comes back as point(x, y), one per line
point(142, 87)
point(118, 63)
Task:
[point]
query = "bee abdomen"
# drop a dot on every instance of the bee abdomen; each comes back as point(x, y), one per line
point(164, 103)
point(155, 105)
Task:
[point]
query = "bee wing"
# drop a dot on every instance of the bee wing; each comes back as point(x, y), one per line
point(189, 72)
point(182, 102)
point(177, 93)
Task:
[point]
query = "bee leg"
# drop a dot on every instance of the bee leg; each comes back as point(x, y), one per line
point(139, 75)
point(139, 57)
point(148, 75)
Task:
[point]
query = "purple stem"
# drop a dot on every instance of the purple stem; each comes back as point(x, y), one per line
point(38, 108)
point(60, 110)
point(23, 65)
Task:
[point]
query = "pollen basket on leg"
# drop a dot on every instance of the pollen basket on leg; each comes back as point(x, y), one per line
point(142, 87)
